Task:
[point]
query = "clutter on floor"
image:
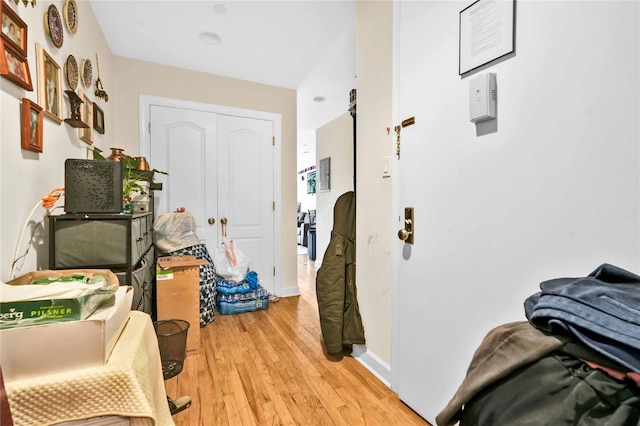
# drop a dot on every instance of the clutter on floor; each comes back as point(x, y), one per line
point(575, 361)
point(239, 289)
point(174, 235)
point(225, 281)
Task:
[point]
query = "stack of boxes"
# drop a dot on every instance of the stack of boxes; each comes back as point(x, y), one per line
point(246, 296)
point(80, 331)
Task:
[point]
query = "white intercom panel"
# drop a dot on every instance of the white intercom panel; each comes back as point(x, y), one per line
point(483, 97)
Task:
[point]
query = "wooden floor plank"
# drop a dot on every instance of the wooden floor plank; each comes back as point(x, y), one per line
point(268, 368)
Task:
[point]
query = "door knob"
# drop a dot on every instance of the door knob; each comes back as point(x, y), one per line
point(406, 234)
point(223, 220)
point(403, 234)
point(211, 221)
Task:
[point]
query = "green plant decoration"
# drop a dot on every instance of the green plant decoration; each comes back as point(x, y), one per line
point(131, 178)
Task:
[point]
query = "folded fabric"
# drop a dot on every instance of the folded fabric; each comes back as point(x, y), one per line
point(601, 310)
point(506, 349)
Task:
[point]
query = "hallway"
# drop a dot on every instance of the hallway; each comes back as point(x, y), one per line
point(268, 368)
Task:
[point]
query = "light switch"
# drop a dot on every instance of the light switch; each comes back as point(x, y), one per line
point(386, 167)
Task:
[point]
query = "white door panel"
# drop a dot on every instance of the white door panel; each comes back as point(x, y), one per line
point(219, 166)
point(246, 189)
point(181, 139)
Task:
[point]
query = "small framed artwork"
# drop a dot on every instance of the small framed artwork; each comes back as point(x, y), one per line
point(31, 129)
point(86, 114)
point(49, 85)
point(14, 67)
point(487, 33)
point(14, 30)
point(98, 119)
point(311, 183)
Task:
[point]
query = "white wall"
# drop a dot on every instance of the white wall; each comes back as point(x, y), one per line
point(568, 107)
point(373, 192)
point(25, 176)
point(552, 191)
point(334, 140)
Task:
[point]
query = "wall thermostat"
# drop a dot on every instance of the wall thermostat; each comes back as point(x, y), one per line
point(483, 97)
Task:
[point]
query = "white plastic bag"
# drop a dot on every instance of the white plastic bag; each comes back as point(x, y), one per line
point(230, 262)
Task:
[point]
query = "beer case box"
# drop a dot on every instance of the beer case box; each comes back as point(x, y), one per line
point(39, 350)
point(178, 294)
point(24, 313)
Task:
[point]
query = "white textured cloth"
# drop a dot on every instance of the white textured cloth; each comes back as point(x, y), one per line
point(129, 385)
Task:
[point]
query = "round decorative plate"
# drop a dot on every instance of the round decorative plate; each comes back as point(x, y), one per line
point(71, 72)
point(87, 73)
point(70, 13)
point(54, 25)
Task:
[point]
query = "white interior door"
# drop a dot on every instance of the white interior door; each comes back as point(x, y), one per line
point(423, 363)
point(245, 189)
point(184, 144)
point(218, 166)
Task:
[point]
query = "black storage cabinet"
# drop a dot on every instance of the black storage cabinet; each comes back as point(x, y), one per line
point(119, 242)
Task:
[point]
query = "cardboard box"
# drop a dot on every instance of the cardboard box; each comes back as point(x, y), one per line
point(24, 313)
point(178, 294)
point(64, 346)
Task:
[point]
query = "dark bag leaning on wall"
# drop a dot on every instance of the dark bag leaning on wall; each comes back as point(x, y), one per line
point(336, 282)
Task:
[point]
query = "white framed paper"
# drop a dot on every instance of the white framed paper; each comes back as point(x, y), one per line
point(486, 33)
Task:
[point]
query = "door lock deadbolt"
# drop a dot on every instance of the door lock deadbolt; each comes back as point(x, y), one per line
point(406, 234)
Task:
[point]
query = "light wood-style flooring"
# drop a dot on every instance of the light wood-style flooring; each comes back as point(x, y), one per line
point(268, 368)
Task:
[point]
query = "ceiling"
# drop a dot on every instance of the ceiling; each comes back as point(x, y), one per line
point(308, 46)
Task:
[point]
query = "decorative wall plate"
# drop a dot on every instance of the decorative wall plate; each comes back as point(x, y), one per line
point(70, 13)
point(53, 24)
point(87, 73)
point(71, 72)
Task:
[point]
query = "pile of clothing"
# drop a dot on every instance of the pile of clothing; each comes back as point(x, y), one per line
point(575, 361)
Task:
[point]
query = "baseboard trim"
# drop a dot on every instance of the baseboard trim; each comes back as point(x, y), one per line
point(373, 363)
point(289, 291)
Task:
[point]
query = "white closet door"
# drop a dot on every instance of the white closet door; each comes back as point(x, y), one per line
point(219, 166)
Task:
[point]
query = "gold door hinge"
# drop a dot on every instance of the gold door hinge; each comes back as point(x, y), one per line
point(274, 206)
point(149, 127)
point(274, 271)
point(273, 140)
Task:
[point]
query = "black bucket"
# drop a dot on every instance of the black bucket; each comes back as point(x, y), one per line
point(172, 340)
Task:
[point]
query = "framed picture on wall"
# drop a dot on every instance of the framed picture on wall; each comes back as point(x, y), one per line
point(14, 67)
point(31, 126)
point(487, 33)
point(311, 183)
point(49, 85)
point(98, 119)
point(14, 30)
point(86, 114)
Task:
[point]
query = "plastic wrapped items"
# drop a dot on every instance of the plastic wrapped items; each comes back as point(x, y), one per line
point(44, 297)
point(174, 231)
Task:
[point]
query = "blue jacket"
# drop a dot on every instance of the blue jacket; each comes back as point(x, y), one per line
point(602, 310)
